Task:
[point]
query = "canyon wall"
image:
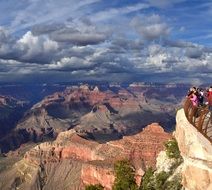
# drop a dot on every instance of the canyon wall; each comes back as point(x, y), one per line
point(196, 151)
point(78, 162)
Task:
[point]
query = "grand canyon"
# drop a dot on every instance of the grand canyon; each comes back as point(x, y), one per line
point(105, 95)
point(70, 136)
point(77, 134)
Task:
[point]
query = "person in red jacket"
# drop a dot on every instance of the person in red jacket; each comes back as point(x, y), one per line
point(210, 99)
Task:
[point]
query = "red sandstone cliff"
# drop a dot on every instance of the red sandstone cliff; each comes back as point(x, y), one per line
point(96, 160)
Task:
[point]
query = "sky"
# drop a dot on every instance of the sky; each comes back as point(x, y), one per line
point(114, 41)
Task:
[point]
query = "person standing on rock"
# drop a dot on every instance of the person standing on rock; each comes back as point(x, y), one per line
point(209, 96)
point(194, 99)
point(200, 96)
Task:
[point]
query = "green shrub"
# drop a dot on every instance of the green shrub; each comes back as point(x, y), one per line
point(172, 149)
point(146, 183)
point(124, 176)
point(174, 184)
point(154, 181)
point(160, 180)
point(94, 187)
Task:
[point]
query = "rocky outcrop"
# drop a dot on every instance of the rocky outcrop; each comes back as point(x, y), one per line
point(141, 149)
point(98, 172)
point(10, 101)
point(196, 151)
point(91, 161)
point(3, 100)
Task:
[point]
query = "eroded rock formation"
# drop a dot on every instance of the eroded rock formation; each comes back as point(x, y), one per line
point(88, 162)
point(197, 154)
point(101, 115)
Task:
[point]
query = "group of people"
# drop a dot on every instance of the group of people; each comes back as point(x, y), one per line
point(201, 97)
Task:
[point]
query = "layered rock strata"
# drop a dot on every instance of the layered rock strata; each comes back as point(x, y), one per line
point(102, 115)
point(88, 161)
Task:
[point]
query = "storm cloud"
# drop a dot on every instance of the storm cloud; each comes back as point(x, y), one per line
point(85, 43)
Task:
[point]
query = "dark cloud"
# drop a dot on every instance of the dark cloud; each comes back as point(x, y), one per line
point(4, 36)
point(194, 52)
point(82, 32)
point(127, 45)
point(86, 21)
point(77, 51)
point(178, 43)
point(114, 63)
point(78, 38)
point(150, 27)
point(6, 42)
point(80, 50)
point(40, 29)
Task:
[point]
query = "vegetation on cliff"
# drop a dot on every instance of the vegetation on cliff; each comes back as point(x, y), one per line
point(172, 149)
point(146, 180)
point(124, 176)
point(157, 179)
point(94, 187)
point(170, 179)
point(160, 181)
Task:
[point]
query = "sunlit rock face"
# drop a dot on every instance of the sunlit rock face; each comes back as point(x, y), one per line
point(197, 154)
point(89, 162)
point(103, 115)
